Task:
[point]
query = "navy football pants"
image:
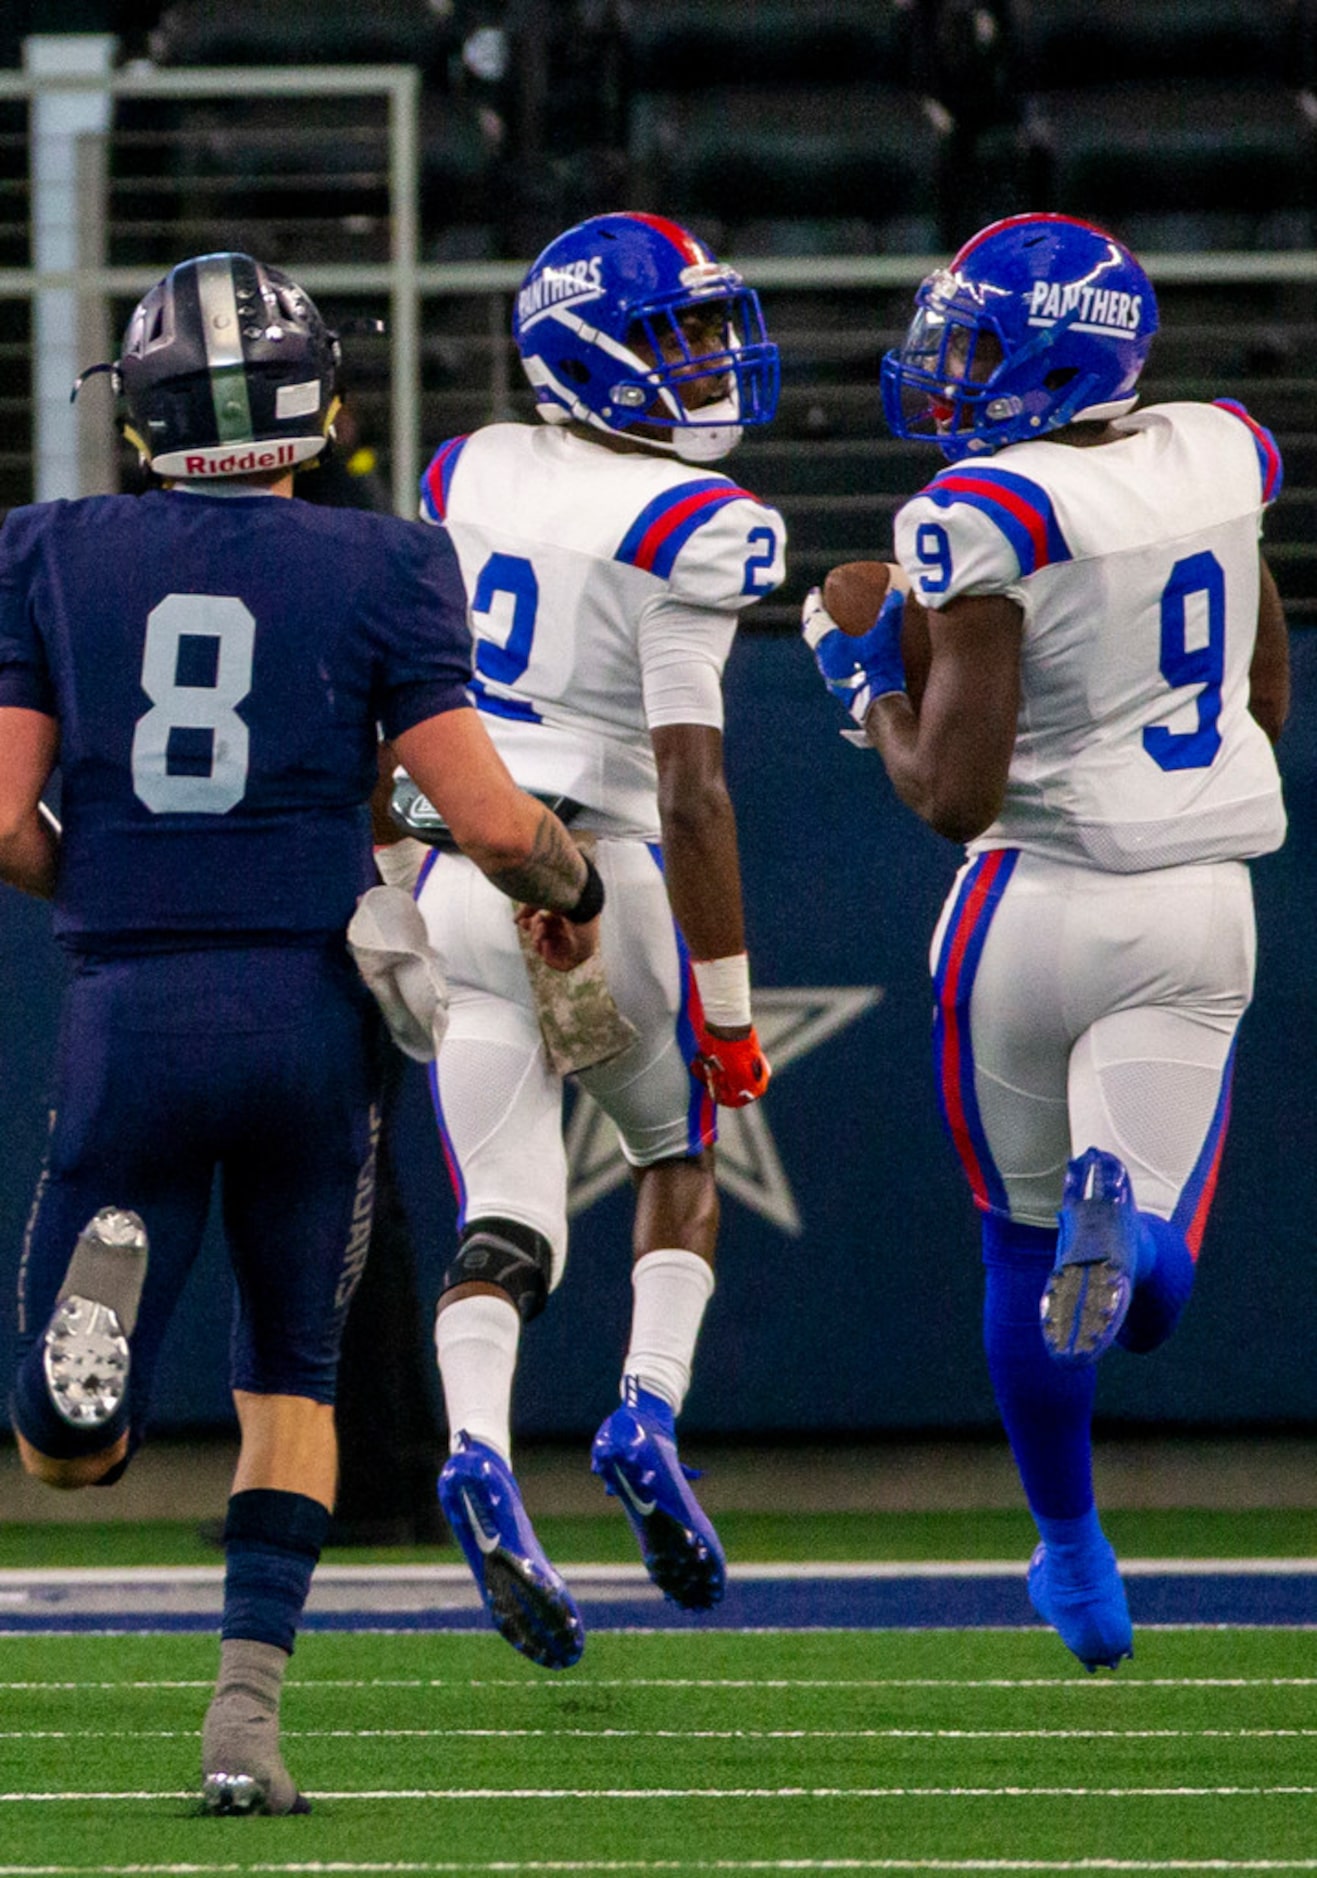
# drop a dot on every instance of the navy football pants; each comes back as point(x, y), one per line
point(258, 1065)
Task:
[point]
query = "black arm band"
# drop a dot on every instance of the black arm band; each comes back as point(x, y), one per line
point(591, 902)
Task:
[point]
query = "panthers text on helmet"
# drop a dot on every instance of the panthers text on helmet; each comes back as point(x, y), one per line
point(1101, 307)
point(576, 281)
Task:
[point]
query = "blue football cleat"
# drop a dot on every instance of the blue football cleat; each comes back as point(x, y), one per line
point(635, 1455)
point(1085, 1606)
point(527, 1601)
point(1089, 1288)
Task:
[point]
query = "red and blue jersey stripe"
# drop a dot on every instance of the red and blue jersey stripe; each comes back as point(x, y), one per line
point(1195, 1202)
point(438, 477)
point(701, 1112)
point(980, 893)
point(1020, 508)
point(451, 1161)
point(665, 525)
point(1273, 474)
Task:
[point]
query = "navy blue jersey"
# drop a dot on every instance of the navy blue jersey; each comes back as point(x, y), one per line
point(219, 667)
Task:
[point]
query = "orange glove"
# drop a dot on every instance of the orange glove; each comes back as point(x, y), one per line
point(734, 1069)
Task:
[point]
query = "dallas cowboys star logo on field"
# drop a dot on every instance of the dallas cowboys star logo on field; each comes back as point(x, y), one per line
point(791, 1023)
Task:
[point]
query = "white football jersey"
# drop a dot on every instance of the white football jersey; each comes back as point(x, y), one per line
point(603, 590)
point(1136, 565)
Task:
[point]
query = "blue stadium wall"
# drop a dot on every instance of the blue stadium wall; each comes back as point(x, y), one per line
point(849, 1290)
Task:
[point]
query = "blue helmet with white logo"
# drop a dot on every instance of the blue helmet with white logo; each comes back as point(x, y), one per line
point(608, 326)
point(1039, 321)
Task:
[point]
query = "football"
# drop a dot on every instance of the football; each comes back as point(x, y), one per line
point(853, 593)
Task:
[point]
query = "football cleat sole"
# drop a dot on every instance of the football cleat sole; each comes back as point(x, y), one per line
point(85, 1360)
point(85, 1352)
point(535, 1616)
point(526, 1599)
point(1089, 1289)
point(241, 1795)
point(639, 1466)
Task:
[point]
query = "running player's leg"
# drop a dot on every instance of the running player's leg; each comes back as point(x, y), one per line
point(1150, 1082)
point(1003, 1035)
point(127, 1164)
point(666, 1125)
point(298, 1178)
point(499, 1111)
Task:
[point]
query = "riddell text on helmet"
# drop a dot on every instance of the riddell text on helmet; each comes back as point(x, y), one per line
point(278, 456)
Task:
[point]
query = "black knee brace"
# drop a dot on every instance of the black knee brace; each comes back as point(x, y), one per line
point(505, 1253)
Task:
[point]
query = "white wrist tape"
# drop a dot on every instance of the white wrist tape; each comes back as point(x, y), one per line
point(399, 863)
point(724, 987)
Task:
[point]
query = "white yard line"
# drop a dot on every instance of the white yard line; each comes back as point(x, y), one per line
point(501, 1795)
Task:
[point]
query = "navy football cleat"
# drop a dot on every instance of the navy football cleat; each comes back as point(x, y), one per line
point(635, 1455)
point(527, 1601)
point(1085, 1606)
point(1089, 1288)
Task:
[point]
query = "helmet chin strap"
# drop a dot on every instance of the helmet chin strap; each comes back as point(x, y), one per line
point(707, 441)
point(704, 443)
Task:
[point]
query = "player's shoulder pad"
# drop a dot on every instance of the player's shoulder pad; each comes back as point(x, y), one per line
point(438, 477)
point(713, 542)
point(977, 528)
point(1270, 467)
point(30, 525)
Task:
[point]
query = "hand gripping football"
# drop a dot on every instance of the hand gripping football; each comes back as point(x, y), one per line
point(853, 593)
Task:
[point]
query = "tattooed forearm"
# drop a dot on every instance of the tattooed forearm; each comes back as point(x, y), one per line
point(552, 875)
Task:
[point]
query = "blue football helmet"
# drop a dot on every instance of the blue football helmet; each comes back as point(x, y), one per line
point(1039, 321)
point(603, 328)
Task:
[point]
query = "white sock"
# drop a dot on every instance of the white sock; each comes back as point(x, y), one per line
point(671, 1290)
point(476, 1342)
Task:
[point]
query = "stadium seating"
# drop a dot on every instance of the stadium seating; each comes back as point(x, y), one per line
point(819, 168)
point(332, 32)
point(1183, 124)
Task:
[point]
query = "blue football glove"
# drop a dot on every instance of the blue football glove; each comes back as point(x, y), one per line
point(856, 670)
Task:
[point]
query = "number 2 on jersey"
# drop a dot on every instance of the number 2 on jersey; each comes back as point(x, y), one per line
point(511, 574)
point(196, 668)
point(1182, 665)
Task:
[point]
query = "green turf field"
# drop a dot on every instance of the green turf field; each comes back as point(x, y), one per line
point(848, 1751)
point(845, 1751)
point(1177, 1532)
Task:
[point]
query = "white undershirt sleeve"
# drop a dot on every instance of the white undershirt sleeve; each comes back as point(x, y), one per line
point(683, 650)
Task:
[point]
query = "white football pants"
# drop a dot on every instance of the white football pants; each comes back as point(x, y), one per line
point(498, 1103)
point(1078, 1009)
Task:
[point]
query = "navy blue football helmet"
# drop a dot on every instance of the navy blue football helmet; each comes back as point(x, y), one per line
point(599, 326)
point(1039, 321)
point(226, 367)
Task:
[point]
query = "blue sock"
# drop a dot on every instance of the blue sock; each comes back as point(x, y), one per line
point(1070, 1542)
point(1165, 1279)
point(1046, 1407)
point(39, 1422)
point(272, 1541)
